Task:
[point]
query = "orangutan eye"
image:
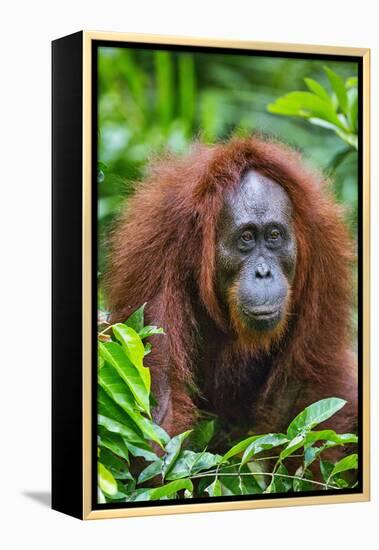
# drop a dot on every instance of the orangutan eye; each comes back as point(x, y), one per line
point(274, 234)
point(247, 236)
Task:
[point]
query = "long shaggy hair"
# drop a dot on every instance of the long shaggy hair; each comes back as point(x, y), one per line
point(162, 251)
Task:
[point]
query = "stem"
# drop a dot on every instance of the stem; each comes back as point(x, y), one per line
point(268, 474)
point(105, 330)
point(211, 472)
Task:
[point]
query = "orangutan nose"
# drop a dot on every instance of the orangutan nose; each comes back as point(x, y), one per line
point(262, 271)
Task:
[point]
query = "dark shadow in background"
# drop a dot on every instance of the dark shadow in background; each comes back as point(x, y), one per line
point(41, 497)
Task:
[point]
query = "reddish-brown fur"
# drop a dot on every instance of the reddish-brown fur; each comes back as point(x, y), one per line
point(163, 253)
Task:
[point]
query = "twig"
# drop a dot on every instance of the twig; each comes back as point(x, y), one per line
point(268, 474)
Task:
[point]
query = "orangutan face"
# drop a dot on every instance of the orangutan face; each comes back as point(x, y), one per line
point(256, 253)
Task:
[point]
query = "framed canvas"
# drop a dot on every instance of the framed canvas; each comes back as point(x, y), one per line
point(210, 275)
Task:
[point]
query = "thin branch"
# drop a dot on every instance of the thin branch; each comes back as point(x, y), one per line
point(268, 474)
point(104, 331)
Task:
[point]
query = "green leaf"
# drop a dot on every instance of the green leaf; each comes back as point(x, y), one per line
point(330, 436)
point(189, 463)
point(134, 348)
point(305, 105)
point(113, 442)
point(351, 139)
point(101, 166)
point(339, 89)
point(173, 448)
point(339, 158)
point(149, 330)
point(313, 415)
point(161, 434)
point(136, 320)
point(310, 455)
point(317, 89)
point(214, 489)
point(148, 348)
point(278, 483)
point(168, 490)
point(100, 496)
point(154, 469)
point(263, 443)
point(351, 82)
point(239, 448)
point(349, 462)
point(294, 445)
point(142, 449)
point(116, 427)
point(107, 482)
point(302, 484)
point(117, 466)
point(107, 407)
point(326, 469)
point(119, 392)
point(239, 484)
point(114, 354)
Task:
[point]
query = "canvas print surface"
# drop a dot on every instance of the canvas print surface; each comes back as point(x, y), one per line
point(229, 312)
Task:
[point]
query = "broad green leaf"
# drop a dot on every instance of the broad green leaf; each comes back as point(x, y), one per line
point(152, 470)
point(313, 415)
point(324, 124)
point(101, 165)
point(114, 354)
point(149, 330)
point(293, 445)
point(339, 89)
point(310, 455)
point(189, 463)
point(305, 105)
point(108, 407)
point(116, 466)
point(239, 484)
point(107, 482)
point(100, 496)
point(162, 435)
point(239, 448)
point(280, 483)
point(329, 436)
point(214, 489)
point(339, 158)
point(148, 348)
point(134, 348)
point(317, 89)
point(326, 469)
point(119, 392)
point(263, 443)
point(142, 449)
point(349, 462)
point(173, 448)
point(258, 468)
point(351, 139)
point(116, 427)
point(168, 490)
point(351, 82)
point(113, 442)
point(303, 484)
point(136, 319)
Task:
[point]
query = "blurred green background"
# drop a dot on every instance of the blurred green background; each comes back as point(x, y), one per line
point(150, 100)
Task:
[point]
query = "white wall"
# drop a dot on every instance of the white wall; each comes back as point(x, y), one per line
point(27, 28)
